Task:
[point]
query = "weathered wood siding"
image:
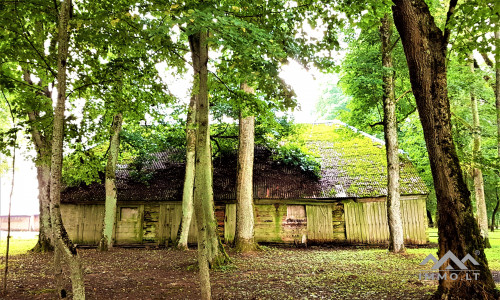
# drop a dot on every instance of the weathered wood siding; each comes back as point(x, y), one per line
point(135, 223)
point(83, 222)
point(291, 223)
point(319, 223)
point(366, 220)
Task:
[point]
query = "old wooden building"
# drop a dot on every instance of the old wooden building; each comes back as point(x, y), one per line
point(347, 204)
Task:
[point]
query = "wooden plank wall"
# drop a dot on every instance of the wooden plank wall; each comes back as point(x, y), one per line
point(284, 223)
point(366, 222)
point(83, 222)
point(150, 223)
point(319, 223)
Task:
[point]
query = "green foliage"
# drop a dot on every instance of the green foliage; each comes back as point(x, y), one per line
point(332, 103)
point(295, 155)
point(84, 166)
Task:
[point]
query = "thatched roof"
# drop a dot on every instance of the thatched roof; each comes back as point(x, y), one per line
point(352, 166)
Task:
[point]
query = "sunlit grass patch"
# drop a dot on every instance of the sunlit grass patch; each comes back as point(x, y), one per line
point(17, 246)
point(492, 254)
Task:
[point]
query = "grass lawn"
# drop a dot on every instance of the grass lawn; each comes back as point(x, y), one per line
point(492, 254)
point(17, 245)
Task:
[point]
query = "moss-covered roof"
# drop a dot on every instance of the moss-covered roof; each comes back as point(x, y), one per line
point(354, 165)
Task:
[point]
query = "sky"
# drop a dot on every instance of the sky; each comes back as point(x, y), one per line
point(25, 197)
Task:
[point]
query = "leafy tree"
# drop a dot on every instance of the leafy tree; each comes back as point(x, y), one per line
point(425, 46)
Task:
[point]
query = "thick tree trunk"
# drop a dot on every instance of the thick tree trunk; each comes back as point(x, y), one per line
point(187, 193)
point(43, 150)
point(203, 192)
point(106, 242)
point(244, 238)
point(477, 173)
point(425, 46)
point(45, 232)
point(64, 246)
point(396, 240)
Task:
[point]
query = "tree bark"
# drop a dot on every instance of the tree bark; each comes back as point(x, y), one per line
point(244, 238)
point(43, 151)
point(396, 239)
point(106, 242)
point(44, 243)
point(64, 246)
point(497, 95)
point(429, 218)
point(187, 194)
point(203, 192)
point(425, 47)
point(477, 173)
point(493, 215)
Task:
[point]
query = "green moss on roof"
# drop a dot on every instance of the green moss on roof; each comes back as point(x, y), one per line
point(354, 165)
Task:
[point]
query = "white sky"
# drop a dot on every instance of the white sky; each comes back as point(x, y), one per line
point(25, 197)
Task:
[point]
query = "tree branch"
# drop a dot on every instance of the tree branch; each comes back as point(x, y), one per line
point(449, 14)
point(402, 95)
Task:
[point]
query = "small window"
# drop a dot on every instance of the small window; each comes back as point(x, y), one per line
point(295, 213)
point(129, 213)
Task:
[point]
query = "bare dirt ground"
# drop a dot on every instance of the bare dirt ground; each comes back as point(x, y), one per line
point(273, 273)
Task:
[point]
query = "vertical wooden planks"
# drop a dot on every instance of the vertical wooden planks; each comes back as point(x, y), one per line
point(319, 224)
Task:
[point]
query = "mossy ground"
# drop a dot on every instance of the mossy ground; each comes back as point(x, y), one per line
point(272, 273)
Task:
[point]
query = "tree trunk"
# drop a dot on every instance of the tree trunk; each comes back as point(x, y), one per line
point(187, 193)
point(43, 150)
point(64, 246)
point(477, 173)
point(203, 192)
point(497, 97)
point(493, 215)
point(425, 47)
point(244, 238)
point(44, 243)
point(106, 242)
point(429, 217)
point(396, 240)
point(6, 270)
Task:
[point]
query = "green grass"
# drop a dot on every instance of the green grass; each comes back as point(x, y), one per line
point(17, 246)
point(492, 254)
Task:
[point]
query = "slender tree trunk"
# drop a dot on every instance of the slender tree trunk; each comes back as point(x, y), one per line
point(203, 193)
point(244, 238)
point(477, 173)
point(6, 270)
point(106, 242)
point(64, 246)
point(493, 215)
point(187, 194)
point(425, 47)
point(429, 217)
point(497, 98)
point(396, 239)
